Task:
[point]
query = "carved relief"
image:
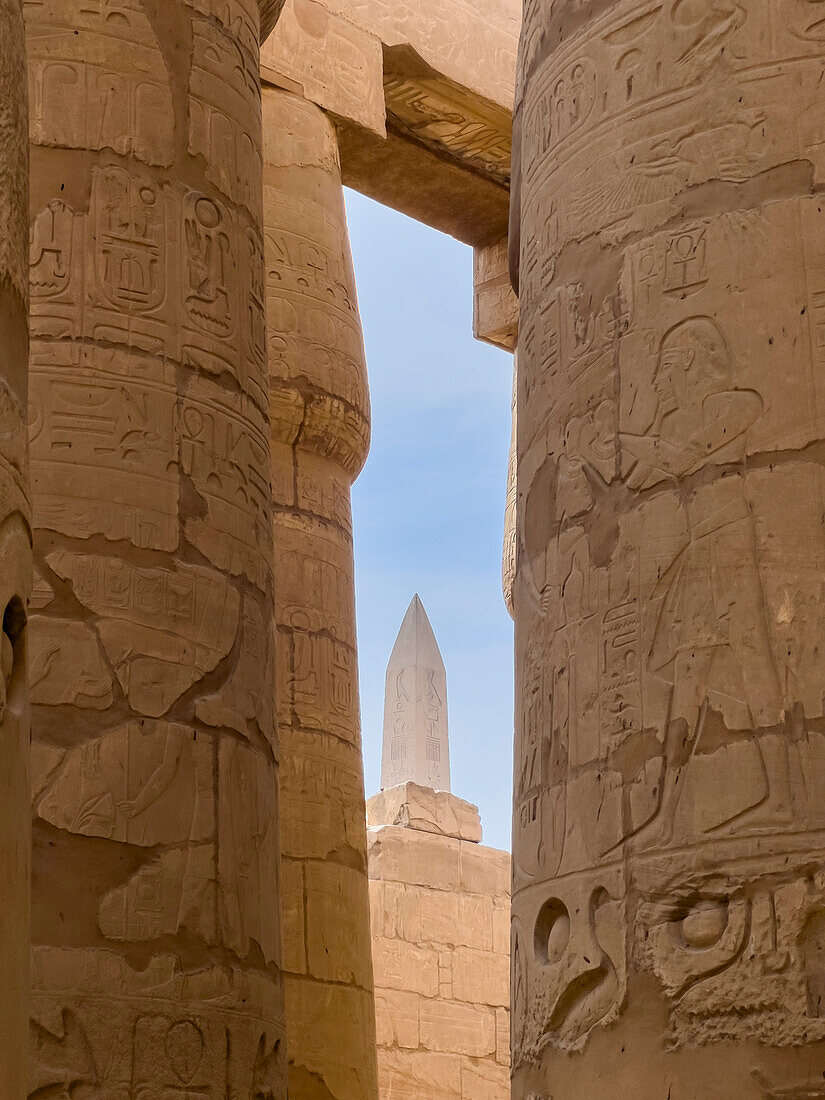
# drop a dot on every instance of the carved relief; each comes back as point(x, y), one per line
point(152, 651)
point(669, 712)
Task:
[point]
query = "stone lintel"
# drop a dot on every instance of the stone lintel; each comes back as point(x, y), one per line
point(421, 132)
point(429, 811)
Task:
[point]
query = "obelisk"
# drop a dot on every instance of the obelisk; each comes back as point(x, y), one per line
point(415, 747)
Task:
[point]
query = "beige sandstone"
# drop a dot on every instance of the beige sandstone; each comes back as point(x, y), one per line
point(320, 434)
point(421, 92)
point(669, 889)
point(423, 808)
point(441, 955)
point(15, 556)
point(156, 957)
point(439, 901)
point(156, 939)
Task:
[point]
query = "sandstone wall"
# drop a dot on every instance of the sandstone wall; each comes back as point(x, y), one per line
point(669, 887)
point(440, 941)
point(15, 555)
point(320, 434)
point(156, 939)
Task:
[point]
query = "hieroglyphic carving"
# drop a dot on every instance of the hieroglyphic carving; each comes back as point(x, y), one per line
point(152, 643)
point(15, 554)
point(444, 118)
point(416, 745)
point(320, 434)
point(669, 714)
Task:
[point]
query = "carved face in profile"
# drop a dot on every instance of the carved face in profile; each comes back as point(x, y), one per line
point(575, 976)
point(694, 360)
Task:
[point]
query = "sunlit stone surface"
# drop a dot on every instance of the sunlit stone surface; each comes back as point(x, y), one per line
point(156, 938)
point(669, 886)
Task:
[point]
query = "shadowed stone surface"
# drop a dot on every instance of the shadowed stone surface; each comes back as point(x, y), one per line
point(15, 555)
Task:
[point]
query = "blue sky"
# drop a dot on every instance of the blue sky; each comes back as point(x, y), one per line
point(428, 508)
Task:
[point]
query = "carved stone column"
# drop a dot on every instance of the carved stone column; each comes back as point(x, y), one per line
point(15, 554)
point(156, 933)
point(669, 882)
point(320, 435)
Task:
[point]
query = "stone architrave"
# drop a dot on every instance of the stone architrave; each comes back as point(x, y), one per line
point(669, 880)
point(320, 436)
point(15, 554)
point(156, 938)
point(416, 743)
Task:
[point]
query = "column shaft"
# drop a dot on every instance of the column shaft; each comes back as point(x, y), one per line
point(156, 940)
point(320, 436)
point(15, 555)
point(669, 886)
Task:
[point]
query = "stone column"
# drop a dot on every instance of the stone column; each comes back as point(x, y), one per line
point(320, 435)
point(155, 967)
point(15, 554)
point(669, 882)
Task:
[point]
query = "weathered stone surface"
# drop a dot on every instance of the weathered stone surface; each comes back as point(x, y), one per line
point(416, 743)
point(15, 555)
point(441, 965)
point(332, 1049)
point(668, 875)
point(329, 61)
point(510, 541)
point(422, 95)
point(320, 435)
point(495, 306)
point(156, 931)
point(410, 1075)
point(429, 811)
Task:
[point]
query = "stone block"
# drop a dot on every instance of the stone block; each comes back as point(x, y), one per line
point(484, 870)
point(495, 306)
point(503, 1036)
point(329, 61)
point(501, 925)
point(429, 811)
point(404, 855)
point(481, 977)
point(458, 919)
point(484, 1081)
point(404, 1075)
point(399, 965)
point(396, 1018)
point(453, 1027)
point(396, 910)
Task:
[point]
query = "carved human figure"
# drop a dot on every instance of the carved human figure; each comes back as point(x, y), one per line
point(670, 545)
point(711, 642)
